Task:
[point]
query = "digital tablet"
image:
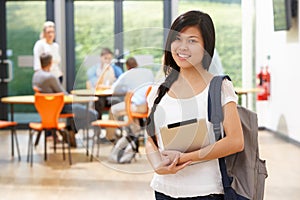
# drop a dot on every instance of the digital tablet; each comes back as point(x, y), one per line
point(185, 136)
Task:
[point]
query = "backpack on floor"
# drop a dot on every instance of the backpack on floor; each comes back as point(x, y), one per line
point(125, 149)
point(243, 173)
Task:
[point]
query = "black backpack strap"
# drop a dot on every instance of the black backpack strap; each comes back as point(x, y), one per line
point(132, 141)
point(215, 112)
point(215, 116)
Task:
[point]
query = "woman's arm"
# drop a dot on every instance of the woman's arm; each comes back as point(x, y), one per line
point(233, 141)
point(163, 164)
point(37, 51)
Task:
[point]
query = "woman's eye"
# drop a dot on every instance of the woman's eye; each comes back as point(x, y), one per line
point(191, 41)
point(177, 38)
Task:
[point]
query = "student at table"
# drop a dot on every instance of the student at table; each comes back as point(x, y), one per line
point(46, 82)
point(137, 79)
point(105, 72)
point(103, 75)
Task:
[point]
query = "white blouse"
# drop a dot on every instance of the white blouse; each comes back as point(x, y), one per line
point(199, 179)
point(41, 46)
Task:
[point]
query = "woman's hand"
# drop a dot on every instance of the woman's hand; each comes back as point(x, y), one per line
point(169, 163)
point(170, 154)
point(166, 162)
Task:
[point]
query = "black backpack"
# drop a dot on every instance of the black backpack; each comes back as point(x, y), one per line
point(243, 173)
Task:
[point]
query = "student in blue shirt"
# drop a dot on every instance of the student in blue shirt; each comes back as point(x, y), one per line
point(103, 75)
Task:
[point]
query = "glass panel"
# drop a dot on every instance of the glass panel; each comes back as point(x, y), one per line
point(23, 30)
point(227, 18)
point(94, 29)
point(143, 32)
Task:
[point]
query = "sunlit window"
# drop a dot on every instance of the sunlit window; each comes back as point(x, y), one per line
point(227, 18)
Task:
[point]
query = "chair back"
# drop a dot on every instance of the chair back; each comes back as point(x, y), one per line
point(49, 106)
point(148, 90)
point(127, 100)
point(138, 114)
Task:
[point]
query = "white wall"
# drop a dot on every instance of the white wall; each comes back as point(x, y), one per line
point(281, 112)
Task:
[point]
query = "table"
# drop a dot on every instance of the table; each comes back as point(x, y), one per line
point(29, 99)
point(97, 92)
point(90, 92)
point(102, 94)
point(243, 91)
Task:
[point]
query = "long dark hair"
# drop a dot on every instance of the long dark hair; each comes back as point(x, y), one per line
point(191, 18)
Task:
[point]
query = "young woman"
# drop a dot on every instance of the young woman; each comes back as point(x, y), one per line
point(46, 44)
point(183, 96)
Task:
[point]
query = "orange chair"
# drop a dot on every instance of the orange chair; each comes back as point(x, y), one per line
point(5, 124)
point(130, 116)
point(61, 116)
point(138, 114)
point(64, 115)
point(141, 116)
point(49, 106)
point(112, 123)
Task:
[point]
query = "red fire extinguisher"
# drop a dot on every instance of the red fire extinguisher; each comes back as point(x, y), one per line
point(267, 80)
point(262, 94)
point(263, 82)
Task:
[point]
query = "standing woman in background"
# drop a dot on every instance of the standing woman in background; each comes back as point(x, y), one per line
point(46, 44)
point(184, 96)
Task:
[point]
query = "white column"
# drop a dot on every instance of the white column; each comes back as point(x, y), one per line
point(174, 9)
point(59, 17)
point(248, 41)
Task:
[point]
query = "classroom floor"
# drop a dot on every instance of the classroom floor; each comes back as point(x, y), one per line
point(100, 179)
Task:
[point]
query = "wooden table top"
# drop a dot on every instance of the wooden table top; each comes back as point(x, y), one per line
point(241, 91)
point(29, 99)
point(88, 95)
point(97, 92)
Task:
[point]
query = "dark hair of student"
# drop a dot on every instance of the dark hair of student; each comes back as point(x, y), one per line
point(105, 51)
point(189, 19)
point(131, 63)
point(46, 59)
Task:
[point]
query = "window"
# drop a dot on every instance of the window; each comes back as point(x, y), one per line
point(227, 18)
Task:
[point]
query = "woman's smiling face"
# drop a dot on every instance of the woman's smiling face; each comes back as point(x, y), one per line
point(49, 34)
point(188, 48)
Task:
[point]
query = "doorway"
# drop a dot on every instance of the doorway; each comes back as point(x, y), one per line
point(19, 30)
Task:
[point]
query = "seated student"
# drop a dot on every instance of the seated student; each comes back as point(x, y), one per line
point(134, 79)
point(48, 83)
point(105, 69)
point(102, 75)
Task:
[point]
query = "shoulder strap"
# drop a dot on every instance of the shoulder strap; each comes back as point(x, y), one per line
point(132, 143)
point(215, 116)
point(215, 112)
